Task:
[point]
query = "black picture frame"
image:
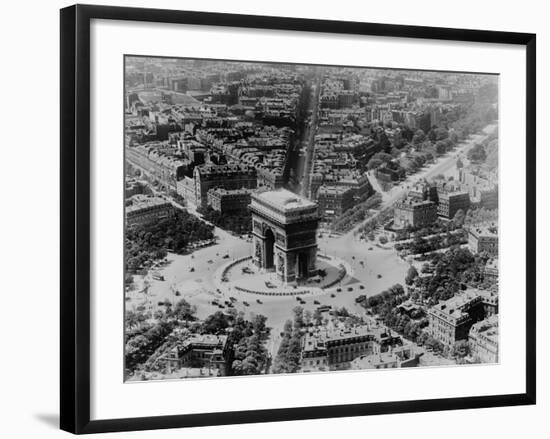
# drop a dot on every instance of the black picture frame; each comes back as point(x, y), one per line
point(75, 217)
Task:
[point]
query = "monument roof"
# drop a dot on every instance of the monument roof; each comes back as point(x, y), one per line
point(285, 200)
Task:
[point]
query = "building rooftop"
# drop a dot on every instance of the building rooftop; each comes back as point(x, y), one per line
point(140, 202)
point(453, 309)
point(317, 338)
point(487, 328)
point(486, 230)
point(414, 202)
point(381, 359)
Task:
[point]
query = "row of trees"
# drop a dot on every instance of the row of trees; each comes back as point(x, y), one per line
point(250, 355)
point(424, 245)
point(289, 353)
point(356, 214)
point(145, 243)
point(455, 126)
point(419, 232)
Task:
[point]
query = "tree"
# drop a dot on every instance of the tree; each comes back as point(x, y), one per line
point(460, 349)
point(374, 164)
point(477, 153)
point(440, 147)
point(418, 137)
point(412, 274)
point(317, 317)
point(182, 311)
point(459, 217)
point(441, 133)
point(298, 312)
point(215, 323)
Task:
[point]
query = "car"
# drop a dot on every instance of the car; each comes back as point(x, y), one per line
point(225, 256)
point(350, 288)
point(333, 295)
point(246, 303)
point(233, 299)
point(361, 287)
point(192, 269)
point(338, 290)
point(210, 261)
point(259, 301)
point(316, 302)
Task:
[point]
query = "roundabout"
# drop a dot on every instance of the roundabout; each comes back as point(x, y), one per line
point(244, 276)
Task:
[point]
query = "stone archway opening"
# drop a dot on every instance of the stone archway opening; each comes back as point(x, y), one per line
point(303, 261)
point(269, 249)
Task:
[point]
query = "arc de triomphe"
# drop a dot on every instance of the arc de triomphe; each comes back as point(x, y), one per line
point(284, 228)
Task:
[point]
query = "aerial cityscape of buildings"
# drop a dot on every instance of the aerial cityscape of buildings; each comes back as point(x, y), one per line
point(286, 218)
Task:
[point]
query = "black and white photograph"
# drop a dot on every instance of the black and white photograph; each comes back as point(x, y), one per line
point(275, 220)
point(298, 218)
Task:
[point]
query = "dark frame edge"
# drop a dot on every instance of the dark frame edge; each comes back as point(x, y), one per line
point(531, 217)
point(68, 388)
point(304, 413)
point(75, 220)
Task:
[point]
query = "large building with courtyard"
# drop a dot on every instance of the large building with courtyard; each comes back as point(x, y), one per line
point(452, 319)
point(284, 228)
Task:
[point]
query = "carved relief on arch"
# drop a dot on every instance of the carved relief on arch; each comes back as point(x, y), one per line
point(280, 263)
point(257, 225)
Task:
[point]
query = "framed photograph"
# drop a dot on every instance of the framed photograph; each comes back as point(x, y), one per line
point(268, 219)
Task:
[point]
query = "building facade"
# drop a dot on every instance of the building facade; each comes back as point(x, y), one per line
point(229, 201)
point(451, 202)
point(334, 200)
point(483, 239)
point(414, 213)
point(337, 348)
point(451, 320)
point(483, 340)
point(208, 177)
